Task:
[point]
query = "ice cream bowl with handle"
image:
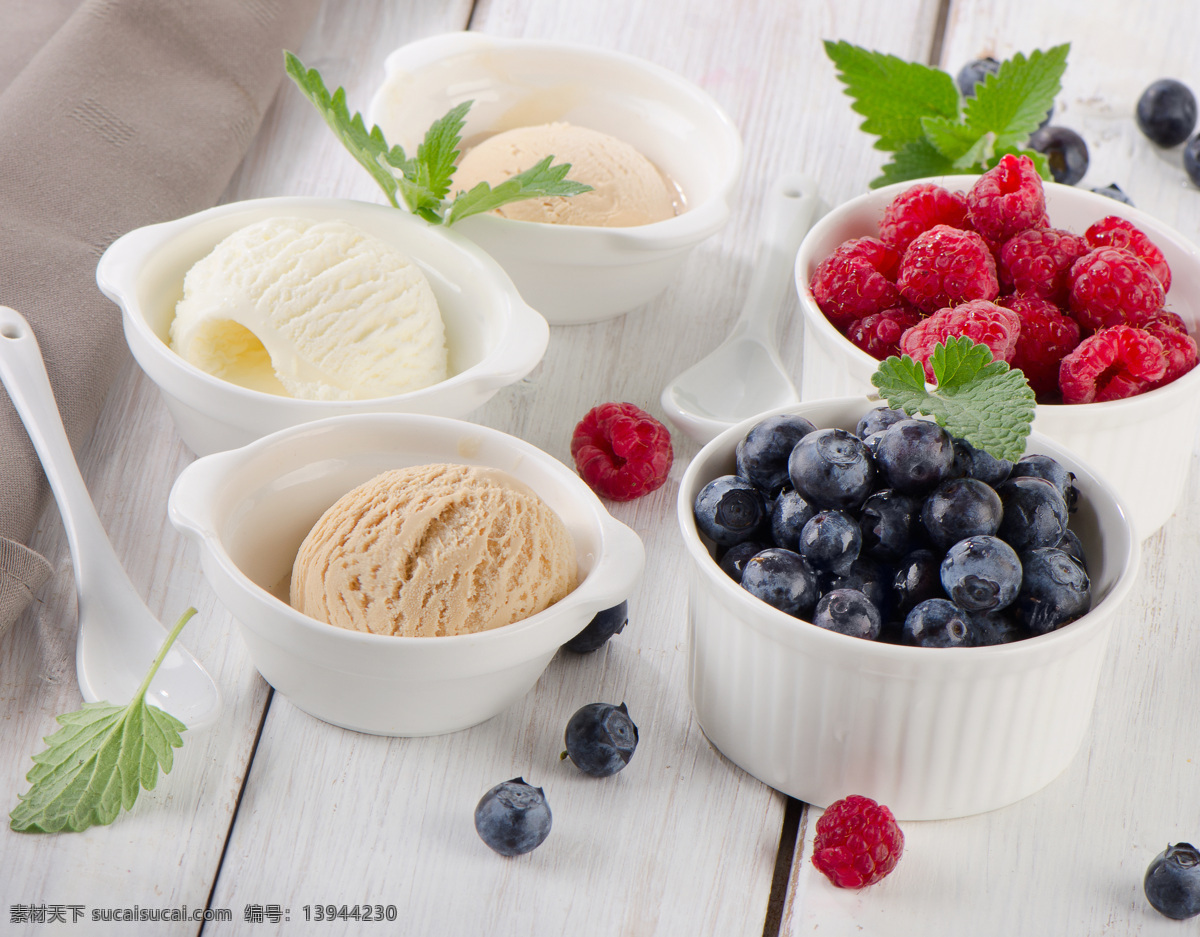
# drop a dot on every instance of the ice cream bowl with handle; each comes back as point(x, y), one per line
point(573, 273)
point(248, 510)
point(1142, 444)
point(493, 337)
point(933, 733)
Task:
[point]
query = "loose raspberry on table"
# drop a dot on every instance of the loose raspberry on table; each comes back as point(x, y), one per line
point(1007, 199)
point(1111, 286)
point(1046, 336)
point(1038, 262)
point(1117, 362)
point(1179, 348)
point(879, 333)
point(979, 320)
point(621, 451)
point(1114, 231)
point(857, 843)
point(855, 281)
point(917, 209)
point(944, 266)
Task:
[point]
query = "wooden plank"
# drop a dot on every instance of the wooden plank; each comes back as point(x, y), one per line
point(681, 841)
point(1070, 859)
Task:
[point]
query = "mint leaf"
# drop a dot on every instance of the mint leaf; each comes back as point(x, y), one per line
point(915, 160)
point(370, 149)
point(435, 163)
point(891, 93)
point(1013, 102)
point(540, 181)
point(96, 764)
point(982, 400)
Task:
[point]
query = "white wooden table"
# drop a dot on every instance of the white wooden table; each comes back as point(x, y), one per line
point(271, 811)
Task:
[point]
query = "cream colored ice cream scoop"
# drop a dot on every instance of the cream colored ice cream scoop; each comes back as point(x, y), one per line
point(627, 189)
point(433, 550)
point(318, 310)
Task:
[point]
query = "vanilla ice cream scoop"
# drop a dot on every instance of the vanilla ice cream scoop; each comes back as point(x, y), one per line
point(318, 310)
point(433, 550)
point(627, 189)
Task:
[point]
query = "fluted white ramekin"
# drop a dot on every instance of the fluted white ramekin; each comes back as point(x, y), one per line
point(931, 732)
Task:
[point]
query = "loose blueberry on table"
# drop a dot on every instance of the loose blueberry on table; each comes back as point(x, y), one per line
point(603, 626)
point(513, 818)
point(1172, 882)
point(902, 540)
point(600, 739)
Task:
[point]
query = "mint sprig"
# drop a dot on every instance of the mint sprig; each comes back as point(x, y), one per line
point(977, 398)
point(919, 116)
point(96, 764)
point(423, 181)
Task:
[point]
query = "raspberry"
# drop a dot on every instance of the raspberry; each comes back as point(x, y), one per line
point(1116, 362)
point(1046, 336)
point(980, 320)
point(1007, 199)
point(1038, 261)
point(1179, 348)
point(879, 333)
point(917, 209)
point(1111, 286)
point(857, 843)
point(944, 266)
point(855, 281)
point(1117, 232)
point(621, 451)
point(1164, 319)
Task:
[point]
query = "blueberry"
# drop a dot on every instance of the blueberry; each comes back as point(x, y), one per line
point(603, 626)
point(979, 463)
point(1037, 465)
point(734, 560)
point(1172, 882)
point(762, 454)
point(1114, 191)
point(973, 73)
point(915, 456)
point(600, 739)
point(1035, 514)
point(877, 420)
point(849, 612)
point(1166, 112)
point(917, 578)
point(1065, 151)
point(961, 508)
point(865, 576)
point(994, 627)
point(1055, 590)
point(782, 579)
point(729, 510)
point(1073, 548)
point(830, 541)
point(513, 818)
point(1191, 160)
point(888, 523)
point(788, 517)
point(832, 469)
point(981, 573)
point(937, 623)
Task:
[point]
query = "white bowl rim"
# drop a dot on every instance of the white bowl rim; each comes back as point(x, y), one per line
point(773, 621)
point(1181, 385)
point(118, 267)
point(679, 232)
point(231, 460)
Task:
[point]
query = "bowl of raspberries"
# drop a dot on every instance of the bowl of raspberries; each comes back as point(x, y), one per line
point(1095, 301)
point(878, 606)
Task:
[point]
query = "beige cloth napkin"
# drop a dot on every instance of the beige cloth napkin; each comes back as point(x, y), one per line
point(132, 112)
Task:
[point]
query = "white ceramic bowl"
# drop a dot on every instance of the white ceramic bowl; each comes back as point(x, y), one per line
point(249, 509)
point(1142, 445)
point(933, 733)
point(573, 273)
point(494, 339)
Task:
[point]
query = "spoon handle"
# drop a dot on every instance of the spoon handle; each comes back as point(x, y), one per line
point(23, 374)
point(790, 208)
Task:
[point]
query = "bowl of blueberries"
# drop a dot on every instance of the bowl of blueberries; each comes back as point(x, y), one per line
point(876, 606)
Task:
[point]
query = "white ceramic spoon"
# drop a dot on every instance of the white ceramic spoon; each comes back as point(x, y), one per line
point(118, 636)
point(743, 375)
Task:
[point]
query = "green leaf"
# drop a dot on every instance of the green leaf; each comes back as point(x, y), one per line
point(539, 181)
point(1013, 102)
point(97, 763)
point(917, 159)
point(983, 401)
point(370, 149)
point(892, 94)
